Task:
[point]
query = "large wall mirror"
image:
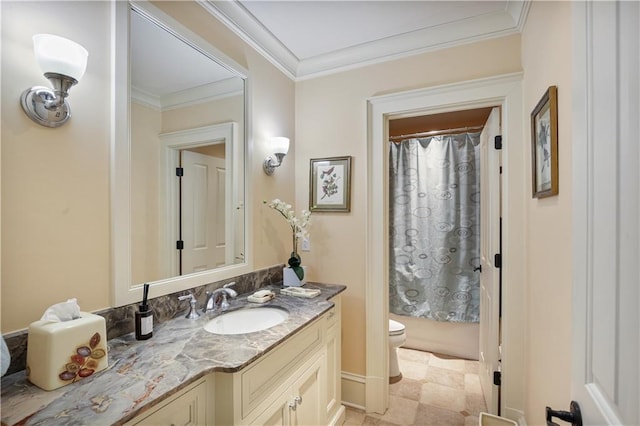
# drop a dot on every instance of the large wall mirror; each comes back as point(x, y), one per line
point(179, 150)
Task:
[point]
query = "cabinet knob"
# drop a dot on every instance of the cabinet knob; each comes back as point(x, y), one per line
point(294, 404)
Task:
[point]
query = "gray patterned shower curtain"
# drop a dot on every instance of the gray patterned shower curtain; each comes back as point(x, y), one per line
point(434, 236)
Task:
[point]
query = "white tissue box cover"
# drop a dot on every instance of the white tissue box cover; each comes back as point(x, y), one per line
point(290, 279)
point(59, 353)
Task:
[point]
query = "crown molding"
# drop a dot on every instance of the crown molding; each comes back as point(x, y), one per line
point(144, 98)
point(409, 44)
point(519, 10)
point(201, 94)
point(192, 96)
point(239, 20)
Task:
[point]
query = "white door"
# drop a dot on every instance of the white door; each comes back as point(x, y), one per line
point(203, 212)
point(606, 193)
point(489, 247)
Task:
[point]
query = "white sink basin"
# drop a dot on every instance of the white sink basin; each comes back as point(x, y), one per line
point(246, 320)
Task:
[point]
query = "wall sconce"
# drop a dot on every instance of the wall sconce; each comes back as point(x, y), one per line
point(63, 63)
point(280, 147)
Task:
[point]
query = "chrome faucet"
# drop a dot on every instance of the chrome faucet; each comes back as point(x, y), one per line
point(214, 296)
point(192, 314)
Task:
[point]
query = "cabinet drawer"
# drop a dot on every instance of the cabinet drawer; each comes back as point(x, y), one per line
point(258, 381)
point(187, 409)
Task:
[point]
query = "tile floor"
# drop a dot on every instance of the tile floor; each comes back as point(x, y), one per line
point(435, 390)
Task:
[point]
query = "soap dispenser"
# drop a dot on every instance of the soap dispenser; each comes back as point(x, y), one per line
point(144, 318)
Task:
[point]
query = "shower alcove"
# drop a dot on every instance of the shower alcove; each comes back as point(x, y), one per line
point(459, 338)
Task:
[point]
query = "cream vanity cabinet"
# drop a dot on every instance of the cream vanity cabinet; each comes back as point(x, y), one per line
point(335, 409)
point(314, 397)
point(302, 403)
point(296, 383)
point(186, 408)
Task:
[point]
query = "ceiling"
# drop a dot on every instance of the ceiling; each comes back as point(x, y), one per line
point(309, 38)
point(306, 39)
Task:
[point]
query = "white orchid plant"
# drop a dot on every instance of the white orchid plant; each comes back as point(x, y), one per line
point(299, 228)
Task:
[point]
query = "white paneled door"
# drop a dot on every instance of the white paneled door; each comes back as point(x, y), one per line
point(489, 248)
point(203, 212)
point(606, 192)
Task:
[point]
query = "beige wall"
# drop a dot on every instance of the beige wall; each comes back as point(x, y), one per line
point(146, 124)
point(546, 59)
point(55, 182)
point(217, 111)
point(331, 121)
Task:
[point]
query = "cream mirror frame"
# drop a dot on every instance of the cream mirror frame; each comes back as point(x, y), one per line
point(124, 290)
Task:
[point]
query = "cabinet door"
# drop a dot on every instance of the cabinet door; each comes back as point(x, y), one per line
point(185, 410)
point(308, 403)
point(276, 414)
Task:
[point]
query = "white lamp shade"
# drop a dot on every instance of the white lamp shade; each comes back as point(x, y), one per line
point(60, 55)
point(280, 145)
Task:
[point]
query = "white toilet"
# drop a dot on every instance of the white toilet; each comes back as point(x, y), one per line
point(397, 337)
point(487, 419)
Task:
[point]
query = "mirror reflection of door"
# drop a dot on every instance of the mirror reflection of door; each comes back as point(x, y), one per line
point(202, 208)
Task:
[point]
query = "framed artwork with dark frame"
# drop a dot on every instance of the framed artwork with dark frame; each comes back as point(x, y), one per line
point(330, 184)
point(544, 145)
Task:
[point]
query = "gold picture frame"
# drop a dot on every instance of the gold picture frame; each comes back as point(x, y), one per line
point(544, 145)
point(330, 184)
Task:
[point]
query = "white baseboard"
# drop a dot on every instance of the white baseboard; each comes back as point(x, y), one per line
point(353, 390)
point(339, 418)
point(358, 407)
point(364, 393)
point(353, 377)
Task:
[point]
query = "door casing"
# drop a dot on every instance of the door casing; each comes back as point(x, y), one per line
point(504, 91)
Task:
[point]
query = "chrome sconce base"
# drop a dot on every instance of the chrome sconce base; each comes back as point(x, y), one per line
point(269, 165)
point(48, 107)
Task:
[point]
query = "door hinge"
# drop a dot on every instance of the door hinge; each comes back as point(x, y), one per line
point(497, 378)
point(179, 171)
point(497, 260)
point(179, 245)
point(497, 142)
point(500, 169)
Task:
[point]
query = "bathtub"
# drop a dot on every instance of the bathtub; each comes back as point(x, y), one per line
point(447, 338)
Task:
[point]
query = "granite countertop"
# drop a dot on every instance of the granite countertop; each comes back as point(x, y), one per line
point(143, 373)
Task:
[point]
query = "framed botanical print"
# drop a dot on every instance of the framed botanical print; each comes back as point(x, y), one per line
point(330, 184)
point(544, 145)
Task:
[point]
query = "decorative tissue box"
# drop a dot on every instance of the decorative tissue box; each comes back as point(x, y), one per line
point(59, 353)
